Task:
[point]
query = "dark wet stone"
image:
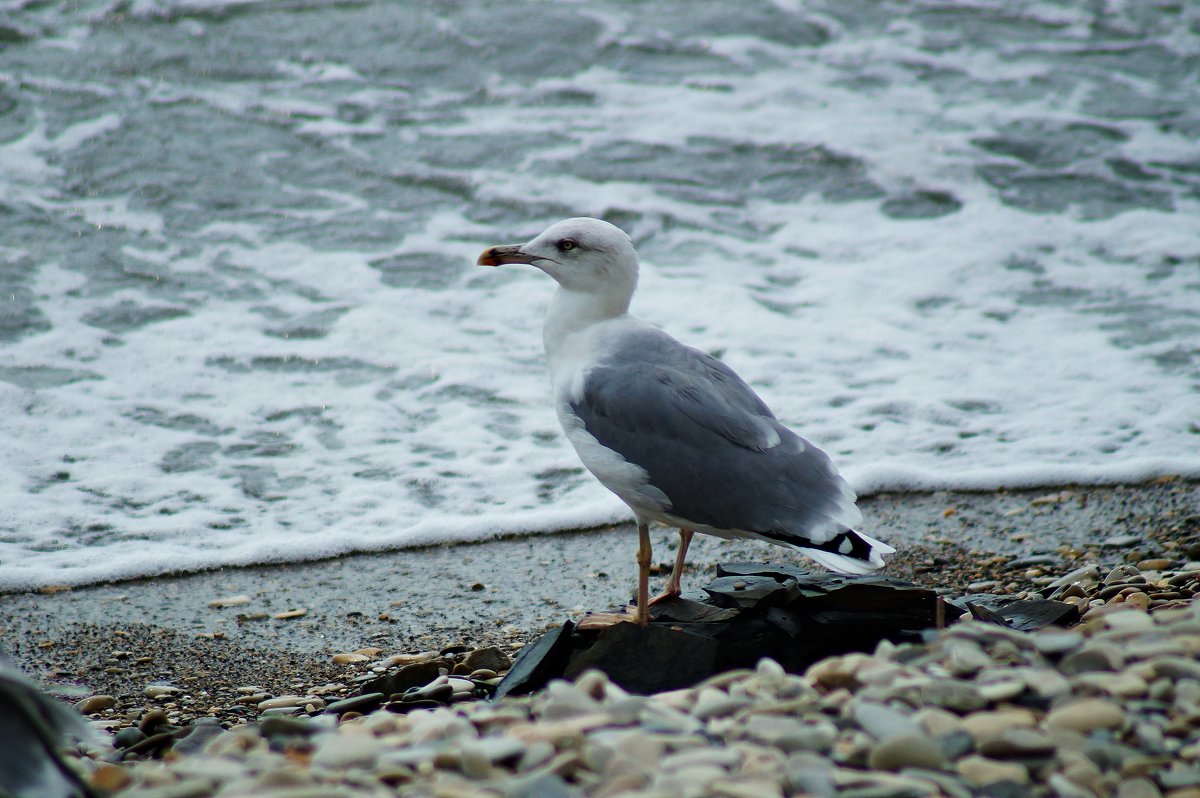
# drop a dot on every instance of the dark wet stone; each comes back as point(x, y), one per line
point(921, 205)
point(791, 616)
point(744, 592)
point(286, 726)
point(1091, 660)
point(196, 736)
point(667, 657)
point(400, 707)
point(152, 722)
point(417, 674)
point(538, 662)
point(152, 745)
point(1034, 561)
point(956, 745)
point(430, 692)
point(490, 658)
point(367, 702)
point(688, 611)
point(1024, 615)
point(127, 737)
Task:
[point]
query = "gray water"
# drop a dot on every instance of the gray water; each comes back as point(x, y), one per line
point(956, 244)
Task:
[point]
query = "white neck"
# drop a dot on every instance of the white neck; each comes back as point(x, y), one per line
point(573, 311)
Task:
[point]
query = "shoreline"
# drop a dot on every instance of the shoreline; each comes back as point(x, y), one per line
point(505, 592)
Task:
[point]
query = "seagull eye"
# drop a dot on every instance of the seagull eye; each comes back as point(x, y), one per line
point(566, 245)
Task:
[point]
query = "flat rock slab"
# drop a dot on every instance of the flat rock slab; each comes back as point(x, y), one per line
point(751, 611)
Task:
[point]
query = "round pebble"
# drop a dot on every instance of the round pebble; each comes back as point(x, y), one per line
point(95, 703)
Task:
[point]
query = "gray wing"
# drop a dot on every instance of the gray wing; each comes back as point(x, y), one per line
point(710, 444)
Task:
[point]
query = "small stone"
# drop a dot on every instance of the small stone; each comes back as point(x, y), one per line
point(1179, 777)
point(1130, 620)
point(289, 615)
point(94, 704)
point(347, 659)
point(883, 722)
point(1139, 601)
point(957, 696)
point(791, 734)
point(1001, 689)
point(1087, 576)
point(291, 701)
point(1120, 542)
point(153, 691)
point(835, 672)
point(1086, 716)
point(343, 751)
point(365, 703)
point(127, 737)
point(980, 771)
point(1056, 643)
point(230, 601)
point(985, 726)
point(713, 703)
point(1052, 498)
point(109, 778)
point(905, 751)
point(1176, 668)
point(491, 658)
point(808, 774)
point(937, 722)
point(1125, 684)
point(1138, 788)
point(1092, 658)
point(1019, 744)
point(1154, 564)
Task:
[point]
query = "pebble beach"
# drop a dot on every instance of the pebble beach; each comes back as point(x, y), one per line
point(1107, 707)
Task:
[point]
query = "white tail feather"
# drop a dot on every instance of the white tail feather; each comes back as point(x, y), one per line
point(840, 563)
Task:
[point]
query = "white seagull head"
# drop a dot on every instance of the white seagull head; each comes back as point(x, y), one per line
point(583, 254)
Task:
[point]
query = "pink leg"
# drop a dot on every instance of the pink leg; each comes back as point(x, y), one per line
point(643, 560)
point(674, 587)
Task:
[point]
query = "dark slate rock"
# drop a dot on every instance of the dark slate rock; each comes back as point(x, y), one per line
point(283, 726)
point(367, 702)
point(1033, 561)
point(667, 657)
point(751, 611)
point(195, 737)
point(418, 674)
point(684, 610)
point(1024, 615)
point(538, 662)
point(127, 737)
point(745, 592)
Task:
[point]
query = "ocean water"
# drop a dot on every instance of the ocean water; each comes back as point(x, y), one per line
point(957, 244)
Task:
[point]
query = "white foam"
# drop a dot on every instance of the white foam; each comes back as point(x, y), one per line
point(989, 347)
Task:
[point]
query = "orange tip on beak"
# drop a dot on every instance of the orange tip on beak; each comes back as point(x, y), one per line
point(502, 255)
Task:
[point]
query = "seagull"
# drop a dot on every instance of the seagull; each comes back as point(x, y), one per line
point(675, 433)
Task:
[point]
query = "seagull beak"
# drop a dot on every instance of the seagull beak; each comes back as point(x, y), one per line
point(503, 255)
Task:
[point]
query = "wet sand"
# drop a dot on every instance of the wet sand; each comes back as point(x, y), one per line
point(505, 592)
